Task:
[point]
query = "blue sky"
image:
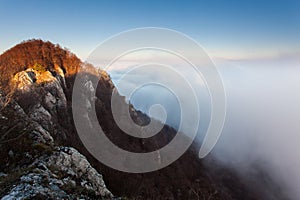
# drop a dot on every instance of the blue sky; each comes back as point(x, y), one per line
point(229, 29)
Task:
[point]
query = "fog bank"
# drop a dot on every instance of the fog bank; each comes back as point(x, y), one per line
point(262, 126)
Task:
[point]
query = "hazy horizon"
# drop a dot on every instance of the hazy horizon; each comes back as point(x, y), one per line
point(227, 30)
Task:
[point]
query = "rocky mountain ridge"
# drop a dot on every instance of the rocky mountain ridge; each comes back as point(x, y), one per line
point(29, 124)
point(43, 158)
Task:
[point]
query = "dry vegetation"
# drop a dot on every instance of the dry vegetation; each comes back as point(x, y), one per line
point(39, 54)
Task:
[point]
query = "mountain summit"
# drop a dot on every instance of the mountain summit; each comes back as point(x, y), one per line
point(42, 156)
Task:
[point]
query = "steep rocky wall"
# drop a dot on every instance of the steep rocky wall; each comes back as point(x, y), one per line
point(34, 122)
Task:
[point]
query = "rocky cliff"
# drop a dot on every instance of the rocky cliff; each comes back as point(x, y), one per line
point(42, 156)
point(35, 125)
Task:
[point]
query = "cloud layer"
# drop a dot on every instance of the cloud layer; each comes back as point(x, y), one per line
point(263, 110)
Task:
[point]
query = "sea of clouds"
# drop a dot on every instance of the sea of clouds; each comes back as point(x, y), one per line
point(262, 125)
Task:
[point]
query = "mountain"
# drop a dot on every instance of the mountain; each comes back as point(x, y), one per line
point(42, 156)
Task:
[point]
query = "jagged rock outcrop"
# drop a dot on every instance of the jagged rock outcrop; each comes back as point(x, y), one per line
point(64, 174)
point(43, 170)
point(34, 122)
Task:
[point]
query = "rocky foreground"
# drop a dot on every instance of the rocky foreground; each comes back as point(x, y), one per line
point(33, 164)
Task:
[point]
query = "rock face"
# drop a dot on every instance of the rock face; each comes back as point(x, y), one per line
point(34, 124)
point(23, 80)
point(65, 174)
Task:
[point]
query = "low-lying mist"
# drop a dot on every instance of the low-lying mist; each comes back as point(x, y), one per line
point(262, 124)
point(262, 127)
